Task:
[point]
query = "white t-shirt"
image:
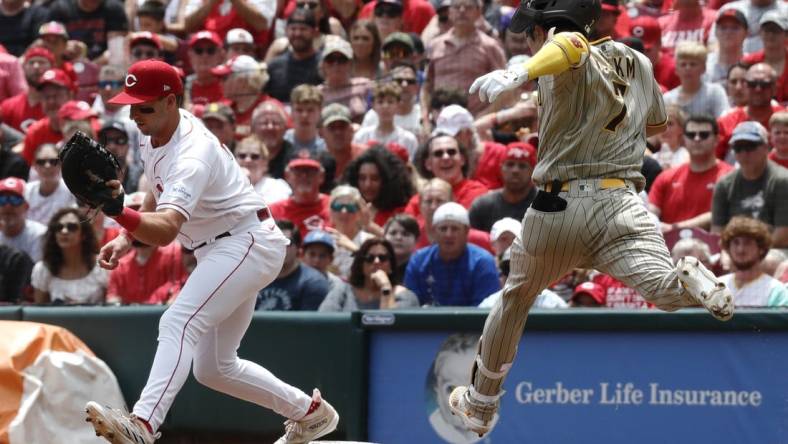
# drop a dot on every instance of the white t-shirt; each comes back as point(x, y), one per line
point(765, 291)
point(43, 207)
point(410, 122)
point(669, 159)
point(195, 175)
point(399, 135)
point(87, 290)
point(343, 258)
point(273, 189)
point(30, 240)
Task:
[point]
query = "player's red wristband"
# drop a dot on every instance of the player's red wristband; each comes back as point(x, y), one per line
point(129, 219)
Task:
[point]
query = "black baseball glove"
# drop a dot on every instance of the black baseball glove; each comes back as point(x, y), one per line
point(86, 167)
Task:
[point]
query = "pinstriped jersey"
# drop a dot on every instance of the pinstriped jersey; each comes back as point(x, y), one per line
point(592, 119)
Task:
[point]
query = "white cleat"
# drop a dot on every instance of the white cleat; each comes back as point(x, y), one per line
point(319, 423)
point(461, 405)
point(705, 287)
point(117, 427)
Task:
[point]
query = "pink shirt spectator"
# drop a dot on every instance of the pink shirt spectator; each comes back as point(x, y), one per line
point(353, 95)
point(12, 79)
point(677, 28)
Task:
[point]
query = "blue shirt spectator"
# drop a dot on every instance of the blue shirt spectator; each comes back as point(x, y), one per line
point(303, 289)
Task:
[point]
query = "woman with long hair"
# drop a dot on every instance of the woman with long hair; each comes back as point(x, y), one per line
point(366, 43)
point(383, 180)
point(68, 272)
point(371, 284)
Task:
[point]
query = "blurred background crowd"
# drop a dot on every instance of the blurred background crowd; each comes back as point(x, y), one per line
point(396, 188)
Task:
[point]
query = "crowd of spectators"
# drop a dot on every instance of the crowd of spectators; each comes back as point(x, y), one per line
point(395, 187)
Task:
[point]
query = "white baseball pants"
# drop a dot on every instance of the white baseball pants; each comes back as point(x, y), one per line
point(204, 326)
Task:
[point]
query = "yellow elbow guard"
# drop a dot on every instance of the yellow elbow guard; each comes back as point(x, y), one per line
point(565, 50)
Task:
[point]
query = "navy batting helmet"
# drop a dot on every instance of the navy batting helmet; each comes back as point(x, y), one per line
point(583, 13)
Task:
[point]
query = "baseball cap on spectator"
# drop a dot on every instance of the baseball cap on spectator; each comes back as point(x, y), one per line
point(303, 16)
point(53, 28)
point(75, 110)
point(113, 124)
point(521, 152)
point(152, 8)
point(148, 80)
point(611, 6)
point(239, 35)
point(238, 64)
point(399, 38)
point(388, 8)
point(205, 36)
point(596, 291)
point(304, 160)
point(56, 77)
point(13, 185)
point(335, 112)
point(145, 37)
point(647, 29)
point(452, 120)
point(220, 111)
point(319, 237)
point(134, 199)
point(777, 17)
point(399, 151)
point(507, 224)
point(732, 13)
point(39, 51)
point(450, 212)
point(749, 131)
point(338, 46)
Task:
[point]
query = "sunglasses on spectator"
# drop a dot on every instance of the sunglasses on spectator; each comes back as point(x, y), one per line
point(403, 81)
point(692, 135)
point(71, 227)
point(384, 10)
point(759, 84)
point(746, 147)
point(349, 207)
point(244, 156)
point(120, 140)
point(335, 60)
point(54, 161)
point(370, 258)
point(451, 152)
point(461, 6)
point(112, 84)
point(142, 54)
point(307, 5)
point(211, 50)
point(11, 199)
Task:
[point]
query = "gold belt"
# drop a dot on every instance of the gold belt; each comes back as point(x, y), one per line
point(604, 184)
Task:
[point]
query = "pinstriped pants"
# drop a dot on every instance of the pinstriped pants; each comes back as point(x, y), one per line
point(608, 230)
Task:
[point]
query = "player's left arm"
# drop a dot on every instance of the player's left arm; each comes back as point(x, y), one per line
point(560, 53)
point(160, 227)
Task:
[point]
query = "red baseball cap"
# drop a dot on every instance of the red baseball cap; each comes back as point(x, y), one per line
point(75, 110)
point(149, 80)
point(53, 28)
point(39, 51)
point(304, 160)
point(596, 291)
point(521, 152)
point(13, 185)
point(611, 6)
point(147, 37)
point(646, 29)
point(205, 36)
point(56, 77)
point(732, 13)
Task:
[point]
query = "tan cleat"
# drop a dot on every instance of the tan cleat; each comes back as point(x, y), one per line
point(461, 405)
point(118, 427)
point(319, 423)
point(705, 287)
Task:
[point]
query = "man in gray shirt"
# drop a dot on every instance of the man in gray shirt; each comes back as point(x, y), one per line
point(757, 189)
point(15, 229)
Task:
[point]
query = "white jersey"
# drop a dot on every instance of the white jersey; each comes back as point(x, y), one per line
point(195, 175)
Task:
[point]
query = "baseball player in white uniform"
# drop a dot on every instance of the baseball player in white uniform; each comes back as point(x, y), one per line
point(597, 104)
point(200, 196)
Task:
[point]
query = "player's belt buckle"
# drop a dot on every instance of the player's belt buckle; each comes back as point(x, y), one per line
point(606, 184)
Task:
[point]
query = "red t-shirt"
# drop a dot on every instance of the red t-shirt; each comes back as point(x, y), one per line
point(382, 216)
point(204, 94)
point(676, 30)
point(488, 169)
point(773, 157)
point(665, 73)
point(307, 217)
point(781, 92)
point(618, 295)
point(416, 14)
point(220, 24)
point(135, 283)
point(17, 113)
point(243, 121)
point(464, 194)
point(728, 121)
point(682, 194)
point(37, 134)
point(109, 234)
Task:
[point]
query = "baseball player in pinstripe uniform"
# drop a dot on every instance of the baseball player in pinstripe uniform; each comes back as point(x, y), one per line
point(598, 103)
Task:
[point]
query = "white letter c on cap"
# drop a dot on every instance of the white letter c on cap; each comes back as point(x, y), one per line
point(131, 80)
